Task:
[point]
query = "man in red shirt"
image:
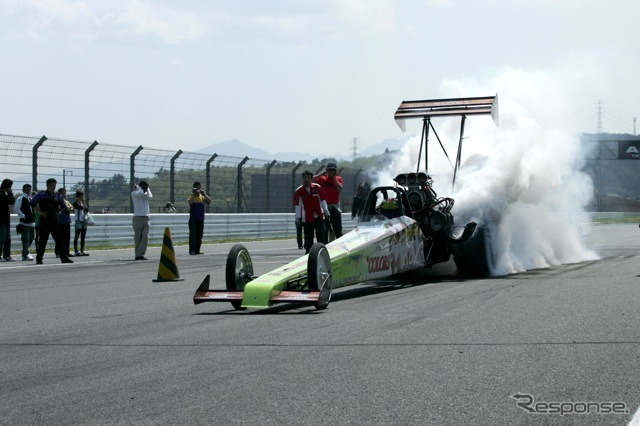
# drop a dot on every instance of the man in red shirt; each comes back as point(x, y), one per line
point(311, 210)
point(332, 184)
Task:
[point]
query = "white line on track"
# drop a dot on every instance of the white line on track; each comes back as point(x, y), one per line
point(635, 420)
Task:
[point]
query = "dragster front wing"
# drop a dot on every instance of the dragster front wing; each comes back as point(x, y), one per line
point(205, 294)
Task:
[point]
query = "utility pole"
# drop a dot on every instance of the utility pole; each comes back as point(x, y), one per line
point(599, 114)
point(354, 148)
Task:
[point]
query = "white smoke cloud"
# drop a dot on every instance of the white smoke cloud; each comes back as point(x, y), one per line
point(522, 180)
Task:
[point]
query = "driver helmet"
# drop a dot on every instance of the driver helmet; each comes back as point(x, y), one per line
point(390, 208)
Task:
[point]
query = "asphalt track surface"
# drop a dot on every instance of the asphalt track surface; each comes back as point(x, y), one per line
point(97, 342)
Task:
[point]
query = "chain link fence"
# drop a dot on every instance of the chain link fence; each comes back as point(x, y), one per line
point(107, 173)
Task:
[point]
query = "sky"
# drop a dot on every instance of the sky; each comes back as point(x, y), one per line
point(305, 75)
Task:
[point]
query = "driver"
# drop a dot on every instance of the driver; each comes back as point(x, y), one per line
point(390, 208)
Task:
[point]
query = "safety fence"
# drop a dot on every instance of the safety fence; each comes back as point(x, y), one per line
point(106, 173)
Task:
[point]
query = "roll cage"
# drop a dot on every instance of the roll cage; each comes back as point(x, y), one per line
point(387, 192)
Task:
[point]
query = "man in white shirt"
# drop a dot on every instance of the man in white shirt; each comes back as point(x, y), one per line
point(141, 195)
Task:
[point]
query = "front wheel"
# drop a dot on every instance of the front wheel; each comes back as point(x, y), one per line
point(239, 271)
point(319, 274)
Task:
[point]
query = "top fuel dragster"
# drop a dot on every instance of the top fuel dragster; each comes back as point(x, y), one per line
point(403, 227)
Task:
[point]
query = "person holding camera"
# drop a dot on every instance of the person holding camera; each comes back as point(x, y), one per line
point(141, 195)
point(49, 204)
point(80, 210)
point(6, 200)
point(27, 223)
point(196, 201)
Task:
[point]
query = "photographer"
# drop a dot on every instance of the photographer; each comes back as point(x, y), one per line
point(25, 213)
point(141, 195)
point(49, 204)
point(196, 201)
point(6, 199)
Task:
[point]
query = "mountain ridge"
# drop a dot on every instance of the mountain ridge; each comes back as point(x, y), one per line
point(237, 148)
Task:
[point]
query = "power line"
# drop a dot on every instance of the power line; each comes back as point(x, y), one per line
point(614, 121)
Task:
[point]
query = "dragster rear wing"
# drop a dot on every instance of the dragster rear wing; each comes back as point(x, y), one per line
point(447, 107)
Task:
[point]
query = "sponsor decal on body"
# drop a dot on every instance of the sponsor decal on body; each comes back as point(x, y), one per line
point(379, 263)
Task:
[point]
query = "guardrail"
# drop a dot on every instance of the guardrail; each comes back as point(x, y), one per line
point(115, 229)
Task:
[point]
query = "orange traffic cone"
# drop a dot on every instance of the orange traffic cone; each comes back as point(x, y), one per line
point(168, 268)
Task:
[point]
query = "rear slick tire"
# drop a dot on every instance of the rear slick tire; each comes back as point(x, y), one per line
point(473, 257)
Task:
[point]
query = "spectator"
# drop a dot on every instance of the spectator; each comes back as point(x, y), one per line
point(299, 234)
point(49, 204)
point(311, 210)
point(64, 219)
point(298, 223)
point(169, 208)
point(36, 213)
point(358, 201)
point(332, 185)
point(80, 210)
point(141, 195)
point(27, 220)
point(6, 200)
point(196, 201)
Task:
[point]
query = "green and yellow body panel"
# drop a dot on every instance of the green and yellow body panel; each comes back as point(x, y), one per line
point(373, 250)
